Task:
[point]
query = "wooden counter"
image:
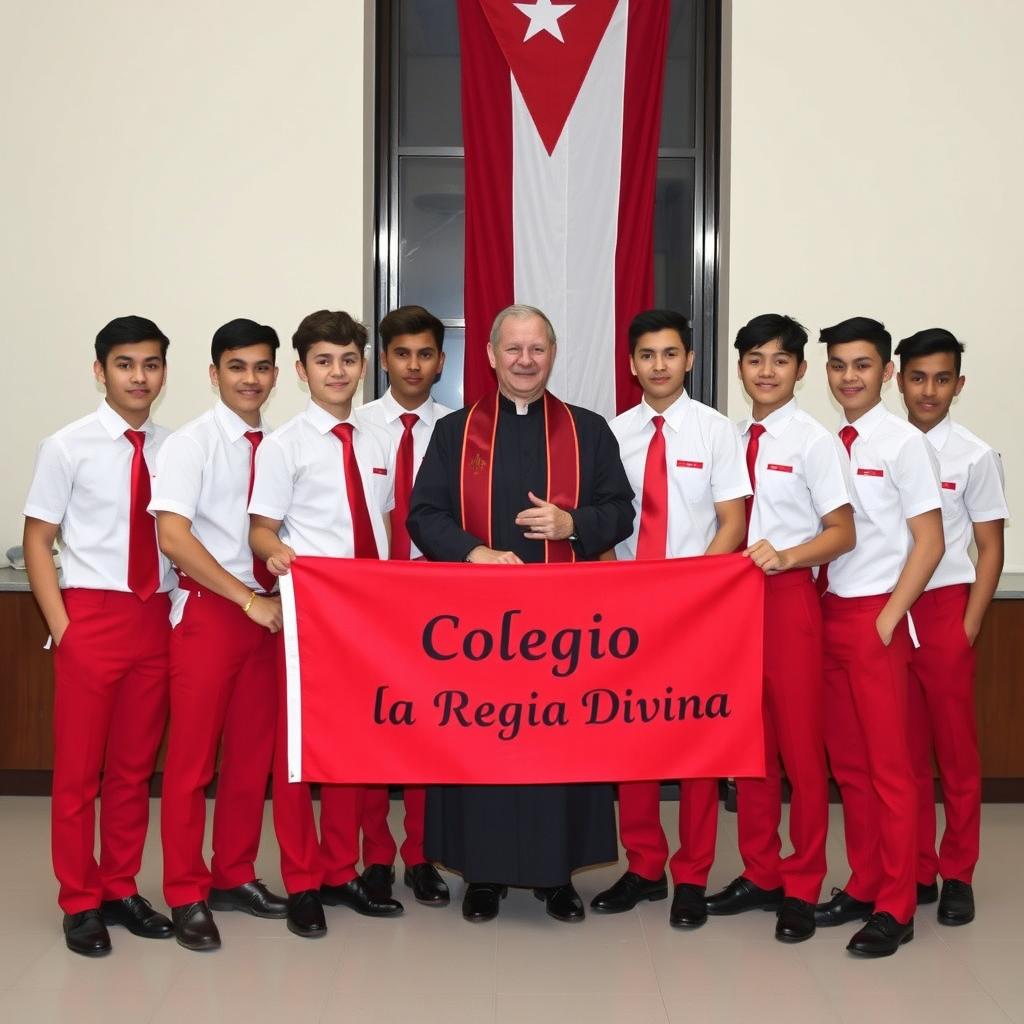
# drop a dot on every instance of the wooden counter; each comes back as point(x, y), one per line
point(26, 694)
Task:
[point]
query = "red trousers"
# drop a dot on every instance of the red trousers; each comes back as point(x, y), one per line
point(110, 707)
point(792, 710)
point(942, 719)
point(378, 843)
point(223, 693)
point(306, 861)
point(866, 709)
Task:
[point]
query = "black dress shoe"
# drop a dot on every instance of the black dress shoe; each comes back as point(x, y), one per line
point(306, 914)
point(927, 893)
point(881, 936)
point(741, 894)
point(138, 916)
point(356, 896)
point(378, 879)
point(795, 921)
point(689, 909)
point(482, 900)
point(86, 934)
point(628, 891)
point(563, 902)
point(251, 898)
point(428, 887)
point(956, 904)
point(194, 927)
point(840, 909)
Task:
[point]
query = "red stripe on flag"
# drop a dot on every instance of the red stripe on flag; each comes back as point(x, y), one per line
point(487, 138)
point(646, 39)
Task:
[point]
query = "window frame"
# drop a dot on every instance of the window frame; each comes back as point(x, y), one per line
point(706, 155)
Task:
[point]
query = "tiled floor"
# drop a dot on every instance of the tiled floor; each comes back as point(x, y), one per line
point(432, 966)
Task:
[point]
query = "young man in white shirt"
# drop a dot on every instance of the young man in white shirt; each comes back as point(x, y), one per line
point(868, 642)
point(411, 354)
point(948, 616)
point(223, 658)
point(799, 517)
point(686, 467)
point(324, 486)
point(108, 616)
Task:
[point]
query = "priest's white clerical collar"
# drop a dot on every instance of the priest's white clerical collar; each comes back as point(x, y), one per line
point(522, 408)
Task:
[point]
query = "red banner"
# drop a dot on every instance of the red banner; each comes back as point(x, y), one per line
point(438, 673)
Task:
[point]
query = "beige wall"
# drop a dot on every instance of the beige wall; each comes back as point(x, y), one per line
point(198, 162)
point(875, 169)
point(187, 162)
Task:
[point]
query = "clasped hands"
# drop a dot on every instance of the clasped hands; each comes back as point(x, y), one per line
point(542, 521)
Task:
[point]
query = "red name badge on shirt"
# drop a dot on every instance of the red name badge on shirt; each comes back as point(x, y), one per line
point(780, 469)
point(870, 472)
point(686, 464)
point(949, 485)
point(380, 471)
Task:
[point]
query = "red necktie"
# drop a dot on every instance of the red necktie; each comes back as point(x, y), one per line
point(143, 559)
point(753, 444)
point(401, 546)
point(362, 530)
point(652, 541)
point(264, 577)
point(847, 435)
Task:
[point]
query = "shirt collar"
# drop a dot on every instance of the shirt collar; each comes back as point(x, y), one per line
point(392, 410)
point(115, 426)
point(323, 421)
point(674, 414)
point(869, 422)
point(939, 434)
point(517, 408)
point(232, 424)
point(775, 422)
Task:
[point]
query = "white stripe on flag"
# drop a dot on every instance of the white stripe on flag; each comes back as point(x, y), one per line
point(294, 680)
point(565, 211)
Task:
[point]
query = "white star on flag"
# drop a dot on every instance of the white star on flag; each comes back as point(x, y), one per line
point(544, 17)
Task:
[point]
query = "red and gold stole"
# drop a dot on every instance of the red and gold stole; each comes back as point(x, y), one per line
point(563, 461)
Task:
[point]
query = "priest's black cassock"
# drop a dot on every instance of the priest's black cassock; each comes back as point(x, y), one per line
point(520, 835)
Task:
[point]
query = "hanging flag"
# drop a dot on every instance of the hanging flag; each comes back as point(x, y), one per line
point(600, 671)
point(561, 114)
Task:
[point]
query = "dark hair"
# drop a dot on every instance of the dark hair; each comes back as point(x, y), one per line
point(652, 320)
point(410, 320)
point(242, 333)
point(323, 325)
point(791, 334)
point(127, 330)
point(928, 343)
point(859, 328)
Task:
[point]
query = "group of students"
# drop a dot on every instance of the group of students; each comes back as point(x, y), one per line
point(175, 541)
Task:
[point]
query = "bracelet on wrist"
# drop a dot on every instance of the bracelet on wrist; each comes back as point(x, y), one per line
point(248, 604)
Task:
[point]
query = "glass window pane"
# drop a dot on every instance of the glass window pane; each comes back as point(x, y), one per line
point(673, 235)
point(448, 390)
point(429, 105)
point(679, 105)
point(431, 212)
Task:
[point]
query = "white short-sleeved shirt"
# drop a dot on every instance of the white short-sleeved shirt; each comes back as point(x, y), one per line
point(706, 464)
point(300, 480)
point(799, 477)
point(895, 476)
point(203, 475)
point(82, 483)
point(386, 413)
point(972, 492)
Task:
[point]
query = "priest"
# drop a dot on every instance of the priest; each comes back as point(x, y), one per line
point(520, 477)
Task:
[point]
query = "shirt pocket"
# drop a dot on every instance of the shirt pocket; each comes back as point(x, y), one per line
point(952, 490)
point(692, 478)
point(873, 487)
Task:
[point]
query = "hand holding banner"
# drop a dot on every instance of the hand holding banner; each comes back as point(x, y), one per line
point(607, 671)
